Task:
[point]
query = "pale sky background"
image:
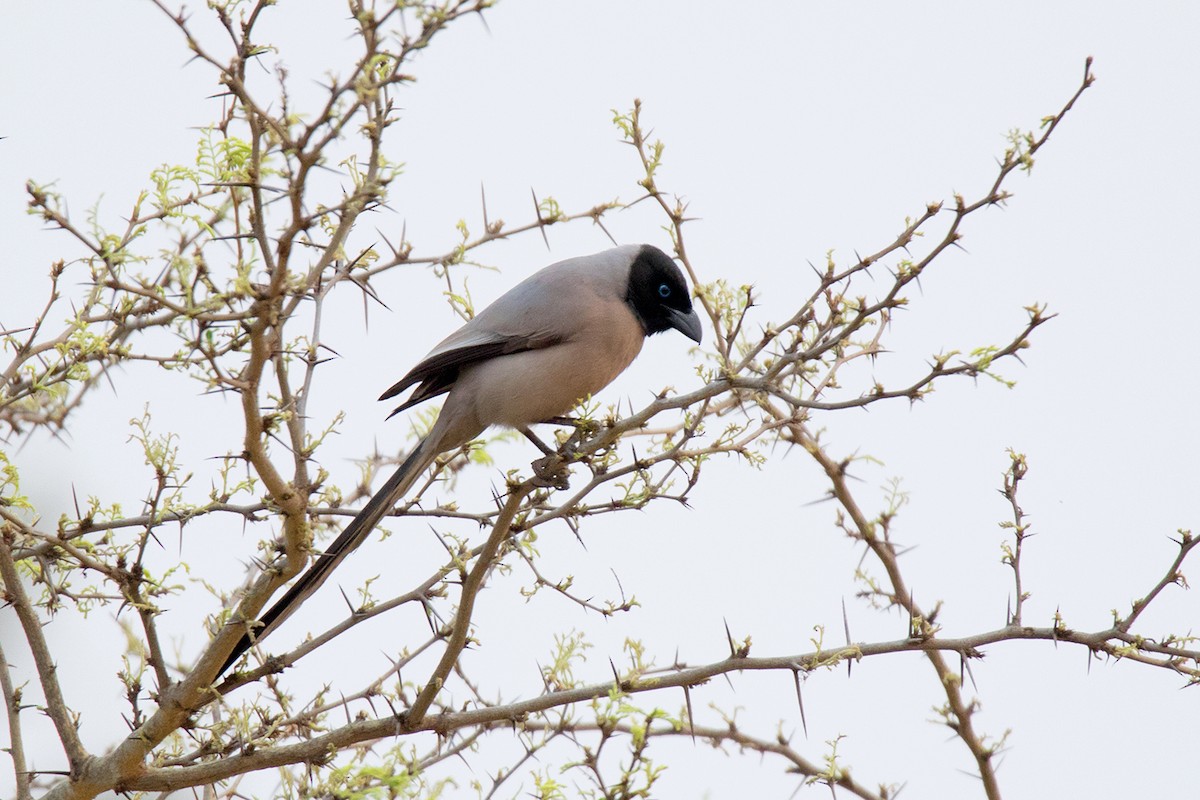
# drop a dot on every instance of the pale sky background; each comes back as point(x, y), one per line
point(791, 128)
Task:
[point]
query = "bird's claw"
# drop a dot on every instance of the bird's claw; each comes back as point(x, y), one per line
point(551, 472)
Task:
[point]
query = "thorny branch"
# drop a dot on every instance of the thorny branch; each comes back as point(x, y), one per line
point(13, 706)
point(56, 705)
point(230, 265)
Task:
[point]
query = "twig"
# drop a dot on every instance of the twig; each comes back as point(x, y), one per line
point(466, 605)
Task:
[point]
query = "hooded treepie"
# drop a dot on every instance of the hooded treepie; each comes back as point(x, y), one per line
point(560, 335)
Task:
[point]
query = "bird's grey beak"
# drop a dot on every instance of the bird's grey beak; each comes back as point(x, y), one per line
point(686, 323)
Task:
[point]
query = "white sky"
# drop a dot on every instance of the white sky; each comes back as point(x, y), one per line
point(791, 129)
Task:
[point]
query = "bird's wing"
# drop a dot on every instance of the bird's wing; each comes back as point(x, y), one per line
point(436, 373)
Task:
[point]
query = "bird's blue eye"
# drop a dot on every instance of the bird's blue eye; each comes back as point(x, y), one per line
point(664, 290)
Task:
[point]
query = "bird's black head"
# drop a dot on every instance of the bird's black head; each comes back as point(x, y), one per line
point(658, 295)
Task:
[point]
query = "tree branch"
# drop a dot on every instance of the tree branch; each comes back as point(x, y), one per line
point(16, 746)
point(56, 707)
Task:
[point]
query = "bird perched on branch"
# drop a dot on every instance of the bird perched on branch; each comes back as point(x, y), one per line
point(559, 336)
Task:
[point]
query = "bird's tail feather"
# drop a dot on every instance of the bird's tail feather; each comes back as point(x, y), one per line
point(350, 538)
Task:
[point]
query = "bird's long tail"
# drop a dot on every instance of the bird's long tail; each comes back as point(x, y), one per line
point(347, 542)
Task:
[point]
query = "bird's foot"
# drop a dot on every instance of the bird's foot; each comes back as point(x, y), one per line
point(551, 472)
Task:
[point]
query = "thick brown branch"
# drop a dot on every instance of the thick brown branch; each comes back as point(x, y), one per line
point(56, 706)
point(16, 747)
point(160, 779)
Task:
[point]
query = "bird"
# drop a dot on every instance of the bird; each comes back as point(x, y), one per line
point(557, 337)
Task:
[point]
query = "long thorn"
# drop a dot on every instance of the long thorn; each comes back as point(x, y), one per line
point(541, 223)
point(846, 626)
point(800, 702)
point(687, 696)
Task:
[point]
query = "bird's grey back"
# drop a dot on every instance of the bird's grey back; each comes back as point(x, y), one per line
point(542, 306)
